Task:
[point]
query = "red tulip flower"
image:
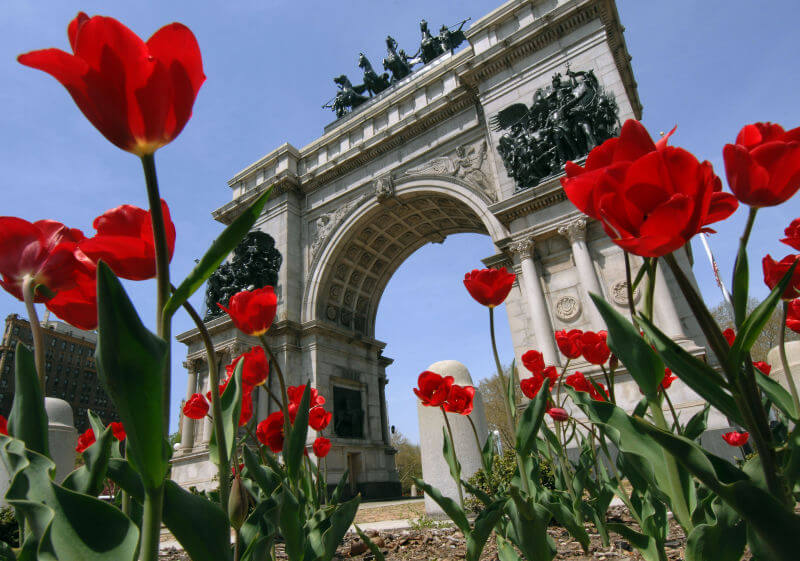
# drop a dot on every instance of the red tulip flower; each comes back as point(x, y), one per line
point(558, 414)
point(579, 383)
point(43, 251)
point(763, 367)
point(246, 411)
point(124, 241)
point(78, 305)
point(594, 347)
point(736, 438)
point(775, 271)
point(321, 447)
point(255, 368)
point(489, 287)
point(138, 95)
point(252, 311)
point(666, 382)
point(118, 430)
point(460, 400)
point(763, 167)
point(85, 440)
point(295, 394)
point(530, 386)
point(651, 198)
point(569, 342)
point(793, 317)
point(269, 432)
point(433, 389)
point(3, 425)
point(792, 233)
point(318, 418)
point(533, 361)
point(730, 336)
point(196, 407)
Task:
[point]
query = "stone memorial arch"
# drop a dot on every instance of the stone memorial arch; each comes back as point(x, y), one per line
point(417, 162)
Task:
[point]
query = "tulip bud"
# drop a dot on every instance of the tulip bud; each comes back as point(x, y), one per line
point(613, 362)
point(558, 414)
point(238, 503)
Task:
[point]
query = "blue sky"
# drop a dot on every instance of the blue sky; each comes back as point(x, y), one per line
point(709, 67)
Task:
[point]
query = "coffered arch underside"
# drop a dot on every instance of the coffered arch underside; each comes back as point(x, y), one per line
point(347, 282)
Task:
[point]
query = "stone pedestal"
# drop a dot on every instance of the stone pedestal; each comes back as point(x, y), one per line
point(792, 357)
point(435, 471)
point(62, 436)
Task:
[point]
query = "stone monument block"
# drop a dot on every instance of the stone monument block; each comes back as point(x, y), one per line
point(792, 357)
point(435, 471)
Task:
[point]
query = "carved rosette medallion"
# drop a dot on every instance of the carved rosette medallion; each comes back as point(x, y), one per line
point(568, 308)
point(619, 293)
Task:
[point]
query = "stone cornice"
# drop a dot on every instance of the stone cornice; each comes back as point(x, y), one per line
point(530, 200)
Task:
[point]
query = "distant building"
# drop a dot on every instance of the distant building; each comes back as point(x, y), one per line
point(69, 364)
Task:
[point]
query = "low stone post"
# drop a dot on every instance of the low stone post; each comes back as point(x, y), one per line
point(62, 436)
point(792, 357)
point(435, 471)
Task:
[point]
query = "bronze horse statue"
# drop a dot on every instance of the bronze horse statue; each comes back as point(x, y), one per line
point(348, 96)
point(374, 83)
point(394, 61)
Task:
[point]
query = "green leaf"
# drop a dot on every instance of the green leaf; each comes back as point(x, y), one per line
point(266, 479)
point(530, 522)
point(777, 395)
point(724, 540)
point(694, 372)
point(643, 364)
point(511, 389)
point(131, 363)
point(484, 524)
point(477, 492)
point(777, 527)
point(295, 442)
point(645, 545)
point(505, 551)
point(487, 454)
point(231, 404)
point(197, 523)
point(260, 528)
point(449, 506)
point(290, 521)
point(752, 327)
point(90, 478)
point(122, 473)
point(741, 279)
point(340, 521)
point(572, 522)
point(28, 418)
point(337, 492)
point(697, 424)
point(66, 525)
point(372, 547)
point(216, 254)
point(449, 453)
point(531, 420)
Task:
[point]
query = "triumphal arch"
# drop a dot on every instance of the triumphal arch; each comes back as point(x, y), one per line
point(469, 135)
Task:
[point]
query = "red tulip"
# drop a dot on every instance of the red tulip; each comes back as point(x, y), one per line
point(763, 367)
point(270, 431)
point(650, 198)
point(295, 394)
point(118, 430)
point(3, 425)
point(78, 305)
point(793, 318)
point(196, 407)
point(775, 271)
point(255, 368)
point(318, 418)
point(569, 342)
point(736, 438)
point(460, 399)
point(533, 361)
point(669, 377)
point(594, 347)
point(558, 414)
point(763, 167)
point(138, 95)
point(124, 241)
point(489, 287)
point(321, 447)
point(252, 312)
point(433, 389)
point(246, 411)
point(85, 440)
point(530, 386)
point(730, 336)
point(792, 233)
point(579, 383)
point(43, 251)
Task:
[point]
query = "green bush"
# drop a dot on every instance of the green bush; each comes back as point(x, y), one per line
point(503, 470)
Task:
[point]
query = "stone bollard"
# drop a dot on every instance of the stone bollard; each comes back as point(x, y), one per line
point(435, 471)
point(413, 490)
point(62, 436)
point(792, 357)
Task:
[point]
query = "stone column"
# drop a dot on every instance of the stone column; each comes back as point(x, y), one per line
point(187, 428)
point(382, 381)
point(665, 306)
point(575, 232)
point(537, 305)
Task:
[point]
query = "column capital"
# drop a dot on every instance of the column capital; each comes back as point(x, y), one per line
point(574, 230)
point(522, 247)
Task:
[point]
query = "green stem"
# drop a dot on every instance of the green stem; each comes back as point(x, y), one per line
point(28, 290)
point(151, 524)
point(284, 403)
point(674, 413)
point(784, 362)
point(566, 467)
point(163, 321)
point(610, 382)
point(650, 288)
point(216, 406)
point(453, 444)
point(629, 281)
point(475, 432)
point(679, 505)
